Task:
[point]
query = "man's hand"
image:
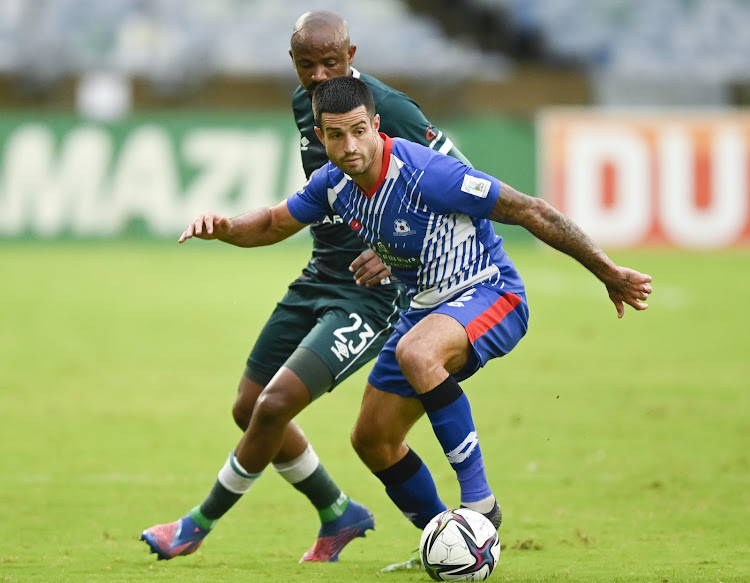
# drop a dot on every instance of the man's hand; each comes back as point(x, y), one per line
point(629, 286)
point(207, 226)
point(368, 269)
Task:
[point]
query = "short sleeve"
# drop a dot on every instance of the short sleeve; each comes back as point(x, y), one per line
point(449, 186)
point(310, 204)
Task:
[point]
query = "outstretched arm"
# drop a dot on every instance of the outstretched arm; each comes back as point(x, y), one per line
point(252, 229)
point(546, 223)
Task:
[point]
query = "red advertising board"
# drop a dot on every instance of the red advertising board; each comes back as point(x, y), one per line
point(642, 177)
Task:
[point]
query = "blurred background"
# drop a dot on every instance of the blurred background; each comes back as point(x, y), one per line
point(621, 446)
point(126, 117)
point(494, 55)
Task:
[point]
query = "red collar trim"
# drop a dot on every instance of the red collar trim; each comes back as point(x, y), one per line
point(387, 147)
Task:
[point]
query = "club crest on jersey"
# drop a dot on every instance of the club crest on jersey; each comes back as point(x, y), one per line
point(355, 225)
point(476, 186)
point(401, 228)
point(303, 143)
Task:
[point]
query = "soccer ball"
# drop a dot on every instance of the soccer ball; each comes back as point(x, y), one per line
point(459, 545)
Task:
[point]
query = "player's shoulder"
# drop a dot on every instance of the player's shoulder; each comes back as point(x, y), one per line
point(301, 99)
point(384, 94)
point(419, 157)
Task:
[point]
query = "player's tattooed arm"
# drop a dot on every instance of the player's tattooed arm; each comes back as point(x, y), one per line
point(551, 226)
point(548, 224)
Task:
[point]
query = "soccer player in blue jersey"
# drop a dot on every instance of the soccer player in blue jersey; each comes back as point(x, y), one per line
point(428, 217)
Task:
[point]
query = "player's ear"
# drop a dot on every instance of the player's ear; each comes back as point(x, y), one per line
point(376, 122)
point(351, 51)
point(319, 133)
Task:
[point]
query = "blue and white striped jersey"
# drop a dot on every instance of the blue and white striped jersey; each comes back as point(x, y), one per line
point(426, 219)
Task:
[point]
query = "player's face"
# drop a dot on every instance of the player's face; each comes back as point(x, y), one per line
point(351, 140)
point(320, 58)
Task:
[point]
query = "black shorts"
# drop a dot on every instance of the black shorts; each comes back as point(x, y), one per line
point(343, 324)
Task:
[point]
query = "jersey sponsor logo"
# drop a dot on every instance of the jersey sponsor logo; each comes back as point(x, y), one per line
point(304, 143)
point(430, 133)
point(401, 228)
point(332, 220)
point(476, 186)
point(395, 260)
point(355, 225)
point(343, 346)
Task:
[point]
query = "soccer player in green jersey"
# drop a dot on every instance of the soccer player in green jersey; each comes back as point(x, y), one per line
point(333, 319)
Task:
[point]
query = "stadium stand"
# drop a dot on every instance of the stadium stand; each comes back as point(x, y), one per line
point(638, 36)
point(694, 52)
point(689, 52)
point(247, 37)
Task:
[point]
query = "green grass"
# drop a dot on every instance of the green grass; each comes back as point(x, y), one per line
point(620, 449)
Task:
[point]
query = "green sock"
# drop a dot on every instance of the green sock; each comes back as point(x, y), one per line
point(200, 520)
point(325, 495)
point(308, 475)
point(333, 511)
point(217, 503)
point(232, 483)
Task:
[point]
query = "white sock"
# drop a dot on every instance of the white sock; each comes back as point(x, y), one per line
point(482, 506)
point(234, 477)
point(300, 467)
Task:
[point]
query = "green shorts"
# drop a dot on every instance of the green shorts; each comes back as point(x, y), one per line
point(345, 326)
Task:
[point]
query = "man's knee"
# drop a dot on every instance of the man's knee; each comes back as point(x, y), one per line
point(284, 397)
point(241, 414)
point(247, 395)
point(273, 408)
point(411, 356)
point(436, 344)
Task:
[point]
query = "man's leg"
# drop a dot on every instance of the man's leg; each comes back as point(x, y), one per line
point(433, 350)
point(378, 438)
point(296, 460)
point(305, 333)
point(284, 397)
point(425, 354)
point(271, 435)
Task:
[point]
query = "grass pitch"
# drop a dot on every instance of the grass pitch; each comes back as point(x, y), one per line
point(619, 448)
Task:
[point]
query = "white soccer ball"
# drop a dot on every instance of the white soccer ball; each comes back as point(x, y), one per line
point(459, 545)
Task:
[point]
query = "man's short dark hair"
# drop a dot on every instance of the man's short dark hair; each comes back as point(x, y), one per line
point(341, 95)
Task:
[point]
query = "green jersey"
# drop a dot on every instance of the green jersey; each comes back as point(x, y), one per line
point(335, 245)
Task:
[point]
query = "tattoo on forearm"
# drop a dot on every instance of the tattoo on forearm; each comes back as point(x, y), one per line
point(549, 225)
point(563, 234)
